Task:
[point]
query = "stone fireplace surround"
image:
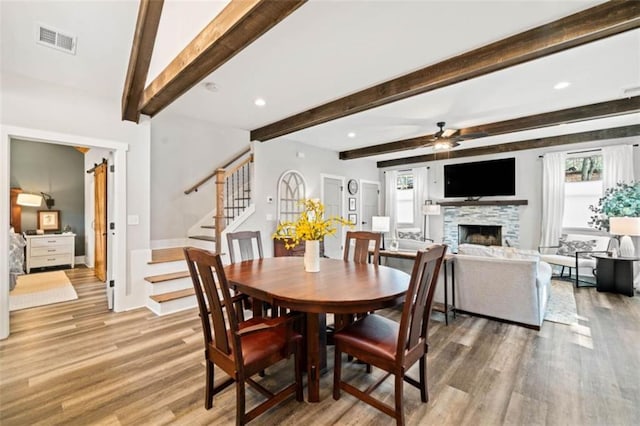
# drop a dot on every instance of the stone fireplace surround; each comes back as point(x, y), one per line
point(498, 213)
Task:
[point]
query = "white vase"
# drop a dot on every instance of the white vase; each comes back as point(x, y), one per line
point(312, 256)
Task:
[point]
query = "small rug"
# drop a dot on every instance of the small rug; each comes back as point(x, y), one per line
point(561, 307)
point(41, 289)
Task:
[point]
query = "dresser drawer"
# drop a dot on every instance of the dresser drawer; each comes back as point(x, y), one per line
point(54, 260)
point(51, 250)
point(52, 241)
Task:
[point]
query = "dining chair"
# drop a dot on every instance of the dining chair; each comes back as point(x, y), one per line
point(240, 349)
point(245, 243)
point(362, 242)
point(394, 347)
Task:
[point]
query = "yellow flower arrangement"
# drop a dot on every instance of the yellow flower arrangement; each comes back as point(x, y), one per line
point(310, 226)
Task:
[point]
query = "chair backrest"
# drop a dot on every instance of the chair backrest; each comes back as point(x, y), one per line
point(363, 240)
point(213, 296)
point(416, 312)
point(245, 243)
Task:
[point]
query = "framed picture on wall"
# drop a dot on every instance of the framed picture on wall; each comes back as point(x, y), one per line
point(353, 218)
point(49, 220)
point(352, 204)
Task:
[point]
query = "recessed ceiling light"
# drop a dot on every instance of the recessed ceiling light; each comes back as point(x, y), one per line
point(260, 102)
point(351, 135)
point(562, 85)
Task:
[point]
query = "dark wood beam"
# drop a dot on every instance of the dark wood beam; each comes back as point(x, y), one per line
point(569, 115)
point(144, 38)
point(592, 135)
point(596, 23)
point(236, 27)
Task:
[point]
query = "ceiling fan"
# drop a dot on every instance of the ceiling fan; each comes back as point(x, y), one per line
point(445, 139)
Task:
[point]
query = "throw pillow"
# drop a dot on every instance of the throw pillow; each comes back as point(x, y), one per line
point(409, 235)
point(570, 247)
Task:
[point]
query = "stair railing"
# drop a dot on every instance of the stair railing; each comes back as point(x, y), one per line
point(204, 180)
point(233, 195)
point(233, 192)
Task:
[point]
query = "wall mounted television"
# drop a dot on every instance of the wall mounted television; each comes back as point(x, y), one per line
point(480, 178)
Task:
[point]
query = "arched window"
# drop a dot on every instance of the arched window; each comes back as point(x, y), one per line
point(291, 189)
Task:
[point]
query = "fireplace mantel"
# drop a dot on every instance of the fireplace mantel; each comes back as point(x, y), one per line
point(484, 203)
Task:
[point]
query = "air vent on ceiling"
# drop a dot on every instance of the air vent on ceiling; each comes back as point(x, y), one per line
point(48, 36)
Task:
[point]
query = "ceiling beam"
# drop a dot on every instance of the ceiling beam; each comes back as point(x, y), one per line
point(569, 115)
point(236, 27)
point(592, 135)
point(144, 38)
point(592, 24)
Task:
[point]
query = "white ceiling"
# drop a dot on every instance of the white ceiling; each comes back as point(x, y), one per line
point(328, 49)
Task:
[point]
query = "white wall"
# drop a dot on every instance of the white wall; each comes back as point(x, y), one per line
point(275, 157)
point(183, 151)
point(528, 184)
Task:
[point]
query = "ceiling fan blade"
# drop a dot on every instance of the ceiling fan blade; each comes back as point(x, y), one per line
point(449, 133)
point(468, 136)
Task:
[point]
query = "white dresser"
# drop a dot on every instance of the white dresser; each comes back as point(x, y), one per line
point(50, 250)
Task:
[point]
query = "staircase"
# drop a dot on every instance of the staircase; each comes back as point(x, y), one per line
point(169, 286)
point(170, 290)
point(233, 197)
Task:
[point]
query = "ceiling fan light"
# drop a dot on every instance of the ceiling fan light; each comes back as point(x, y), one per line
point(442, 145)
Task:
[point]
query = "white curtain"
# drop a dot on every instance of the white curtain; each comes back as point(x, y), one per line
point(420, 187)
point(617, 165)
point(390, 199)
point(553, 175)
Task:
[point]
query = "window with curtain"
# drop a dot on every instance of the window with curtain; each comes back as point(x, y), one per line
point(405, 198)
point(583, 187)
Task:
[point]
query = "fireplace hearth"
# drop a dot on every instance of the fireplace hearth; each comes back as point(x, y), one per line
point(486, 235)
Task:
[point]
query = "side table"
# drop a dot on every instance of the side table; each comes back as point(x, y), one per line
point(615, 274)
point(447, 307)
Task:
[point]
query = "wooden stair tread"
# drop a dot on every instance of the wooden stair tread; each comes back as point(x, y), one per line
point(167, 277)
point(166, 255)
point(203, 237)
point(173, 295)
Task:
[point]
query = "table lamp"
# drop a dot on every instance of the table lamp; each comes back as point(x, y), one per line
point(380, 224)
point(429, 209)
point(625, 227)
point(29, 200)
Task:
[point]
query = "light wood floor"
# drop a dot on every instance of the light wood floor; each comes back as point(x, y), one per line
point(77, 363)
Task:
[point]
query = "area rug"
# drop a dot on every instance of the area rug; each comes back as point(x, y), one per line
point(41, 289)
point(561, 307)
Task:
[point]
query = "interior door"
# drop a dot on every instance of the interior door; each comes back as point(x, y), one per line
point(100, 221)
point(332, 200)
point(370, 203)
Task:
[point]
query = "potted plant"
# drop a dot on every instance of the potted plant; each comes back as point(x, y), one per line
point(310, 227)
point(622, 200)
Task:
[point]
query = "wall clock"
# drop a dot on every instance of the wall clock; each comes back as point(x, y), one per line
point(352, 186)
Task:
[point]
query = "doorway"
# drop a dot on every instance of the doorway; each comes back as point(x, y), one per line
point(118, 248)
point(370, 202)
point(333, 200)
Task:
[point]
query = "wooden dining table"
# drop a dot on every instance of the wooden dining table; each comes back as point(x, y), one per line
point(340, 287)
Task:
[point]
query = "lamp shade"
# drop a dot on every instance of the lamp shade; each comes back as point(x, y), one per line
point(29, 200)
point(380, 223)
point(624, 225)
point(431, 209)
